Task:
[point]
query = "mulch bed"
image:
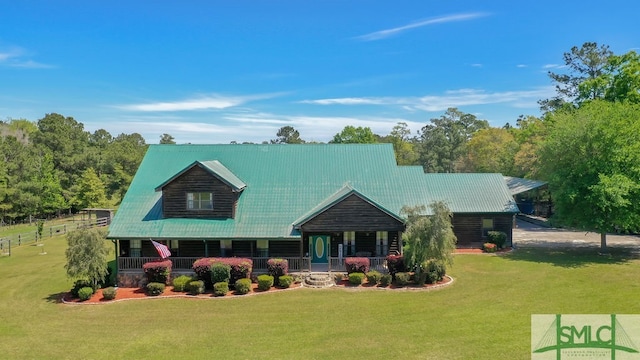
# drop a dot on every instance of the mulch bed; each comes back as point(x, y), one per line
point(140, 293)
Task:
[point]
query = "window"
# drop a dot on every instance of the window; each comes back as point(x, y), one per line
point(225, 248)
point(175, 248)
point(382, 243)
point(200, 201)
point(349, 243)
point(487, 225)
point(135, 248)
point(262, 248)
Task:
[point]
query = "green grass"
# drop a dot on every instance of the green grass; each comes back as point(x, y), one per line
point(484, 314)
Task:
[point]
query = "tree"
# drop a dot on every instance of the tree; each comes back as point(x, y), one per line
point(442, 142)
point(167, 139)
point(354, 135)
point(428, 237)
point(620, 80)
point(585, 64)
point(490, 150)
point(90, 191)
point(87, 254)
point(403, 144)
point(287, 135)
point(590, 159)
point(50, 190)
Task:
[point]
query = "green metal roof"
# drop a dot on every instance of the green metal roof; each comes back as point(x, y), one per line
point(285, 182)
point(519, 185)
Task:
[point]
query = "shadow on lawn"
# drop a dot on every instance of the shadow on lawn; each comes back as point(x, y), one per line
point(55, 298)
point(573, 257)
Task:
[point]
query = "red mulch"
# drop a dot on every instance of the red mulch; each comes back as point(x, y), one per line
point(479, 251)
point(139, 293)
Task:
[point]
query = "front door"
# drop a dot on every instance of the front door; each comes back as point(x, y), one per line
point(319, 249)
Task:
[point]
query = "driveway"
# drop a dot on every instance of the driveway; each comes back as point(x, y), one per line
point(531, 235)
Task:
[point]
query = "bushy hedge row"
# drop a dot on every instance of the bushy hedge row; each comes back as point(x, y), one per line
point(157, 271)
point(181, 282)
point(356, 264)
point(240, 268)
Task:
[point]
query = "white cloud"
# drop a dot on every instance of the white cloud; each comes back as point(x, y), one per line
point(476, 65)
point(210, 102)
point(551, 66)
point(383, 34)
point(15, 57)
point(521, 66)
point(452, 98)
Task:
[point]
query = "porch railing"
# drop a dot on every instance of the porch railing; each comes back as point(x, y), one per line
point(185, 263)
point(259, 263)
point(375, 263)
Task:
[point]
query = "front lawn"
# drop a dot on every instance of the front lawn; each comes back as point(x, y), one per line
point(484, 314)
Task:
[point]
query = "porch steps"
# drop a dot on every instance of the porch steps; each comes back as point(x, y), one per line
point(319, 280)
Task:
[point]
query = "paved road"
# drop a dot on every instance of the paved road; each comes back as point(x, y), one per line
point(527, 234)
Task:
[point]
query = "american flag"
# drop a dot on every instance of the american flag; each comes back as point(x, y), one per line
point(163, 250)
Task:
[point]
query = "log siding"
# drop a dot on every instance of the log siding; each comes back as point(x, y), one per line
point(196, 179)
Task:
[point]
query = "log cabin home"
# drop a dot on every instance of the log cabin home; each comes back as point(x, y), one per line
point(313, 204)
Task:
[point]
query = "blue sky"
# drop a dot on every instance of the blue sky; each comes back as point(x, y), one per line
point(214, 71)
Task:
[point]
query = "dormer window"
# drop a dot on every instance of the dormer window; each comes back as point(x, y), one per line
point(200, 201)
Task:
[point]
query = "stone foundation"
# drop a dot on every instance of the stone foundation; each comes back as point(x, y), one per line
point(139, 279)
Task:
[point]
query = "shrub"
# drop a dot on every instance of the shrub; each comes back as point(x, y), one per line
point(489, 247)
point(109, 293)
point(402, 278)
point(265, 282)
point(221, 288)
point(356, 278)
point(277, 268)
point(285, 281)
point(356, 264)
point(338, 277)
point(195, 287)
point(243, 286)
point(220, 272)
point(437, 267)
point(180, 283)
point(385, 280)
point(155, 288)
point(202, 269)
point(79, 284)
point(157, 271)
point(373, 277)
point(395, 264)
point(420, 278)
point(85, 293)
point(497, 237)
point(240, 268)
point(432, 277)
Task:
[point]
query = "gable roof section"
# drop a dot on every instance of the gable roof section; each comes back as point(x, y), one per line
point(336, 198)
point(285, 184)
point(519, 185)
point(215, 168)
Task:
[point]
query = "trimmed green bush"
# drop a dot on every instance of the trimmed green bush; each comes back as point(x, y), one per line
point(385, 280)
point(221, 288)
point(437, 267)
point(285, 281)
point(356, 278)
point(489, 247)
point(85, 293)
point(220, 272)
point(497, 237)
point(155, 288)
point(265, 282)
point(79, 284)
point(109, 293)
point(403, 278)
point(373, 277)
point(180, 283)
point(243, 286)
point(196, 287)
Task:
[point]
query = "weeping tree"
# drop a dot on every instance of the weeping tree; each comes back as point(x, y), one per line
point(87, 255)
point(428, 237)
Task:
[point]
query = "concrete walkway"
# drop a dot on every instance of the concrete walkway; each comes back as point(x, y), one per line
point(530, 235)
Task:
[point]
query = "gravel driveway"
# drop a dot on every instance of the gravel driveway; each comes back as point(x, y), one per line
point(530, 235)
